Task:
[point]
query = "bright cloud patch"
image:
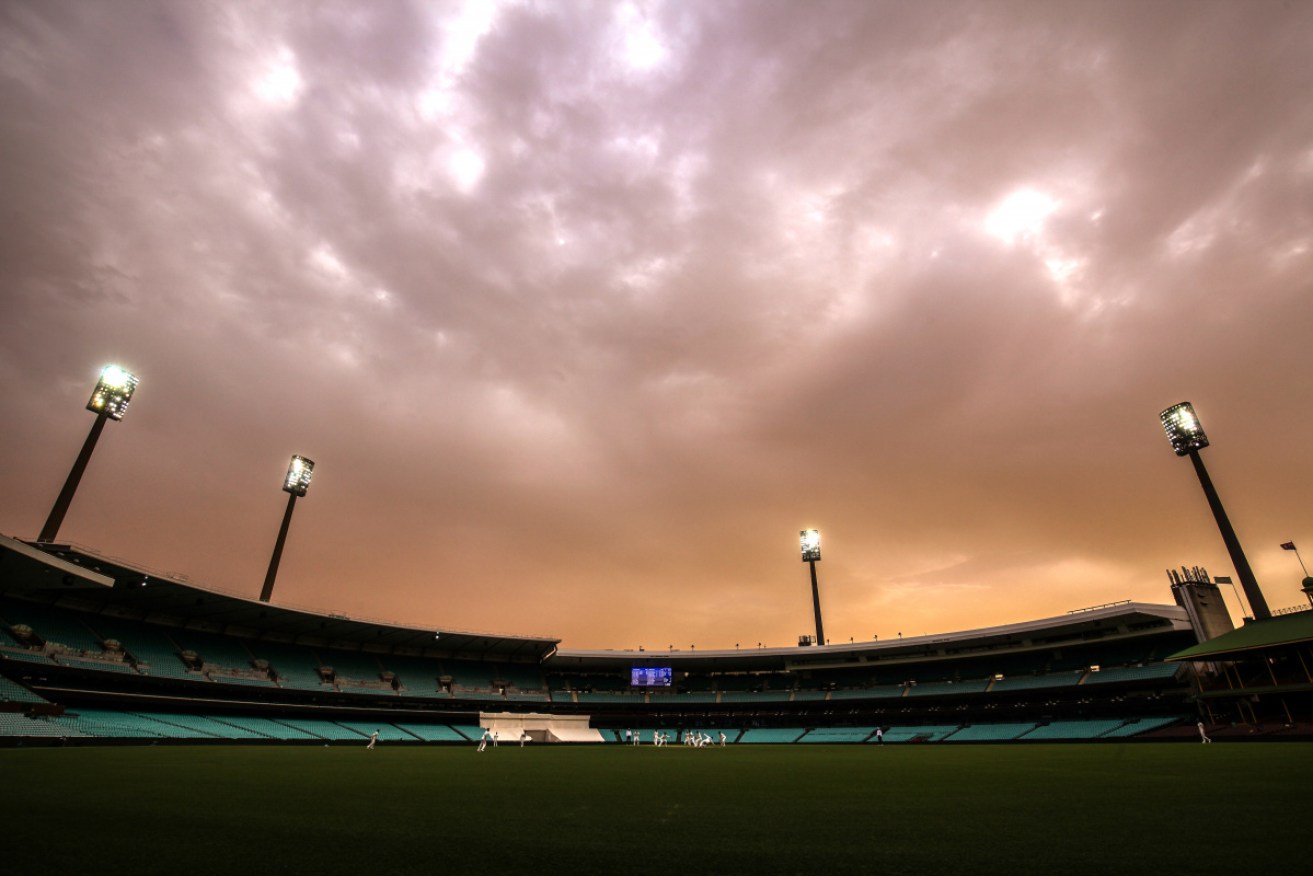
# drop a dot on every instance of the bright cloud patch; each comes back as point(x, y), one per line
point(279, 83)
point(466, 167)
point(1020, 216)
point(641, 47)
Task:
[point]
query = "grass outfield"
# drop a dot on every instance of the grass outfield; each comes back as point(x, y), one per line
point(758, 809)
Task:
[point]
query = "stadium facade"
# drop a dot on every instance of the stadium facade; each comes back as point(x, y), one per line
point(95, 650)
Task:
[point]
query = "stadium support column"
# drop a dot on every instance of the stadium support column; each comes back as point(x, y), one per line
point(296, 484)
point(811, 554)
point(1247, 581)
point(109, 401)
point(816, 605)
point(56, 518)
point(1187, 437)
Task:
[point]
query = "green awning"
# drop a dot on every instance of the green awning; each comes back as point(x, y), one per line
point(1286, 629)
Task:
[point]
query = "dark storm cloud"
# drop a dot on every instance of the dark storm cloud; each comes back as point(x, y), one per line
point(586, 308)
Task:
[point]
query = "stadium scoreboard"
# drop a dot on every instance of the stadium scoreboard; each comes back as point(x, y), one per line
point(650, 676)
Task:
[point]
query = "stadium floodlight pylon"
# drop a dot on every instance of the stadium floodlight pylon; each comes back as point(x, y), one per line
point(810, 540)
point(1187, 436)
point(297, 482)
point(109, 401)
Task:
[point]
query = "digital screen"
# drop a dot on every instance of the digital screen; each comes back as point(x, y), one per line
point(648, 676)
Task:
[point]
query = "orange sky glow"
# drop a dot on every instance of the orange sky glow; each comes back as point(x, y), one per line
point(584, 310)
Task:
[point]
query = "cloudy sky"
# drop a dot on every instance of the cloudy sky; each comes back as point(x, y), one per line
point(585, 309)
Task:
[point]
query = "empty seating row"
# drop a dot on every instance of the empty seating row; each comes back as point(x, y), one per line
point(268, 728)
point(772, 734)
point(1135, 726)
point(432, 732)
point(924, 733)
point(13, 692)
point(765, 696)
point(184, 652)
point(992, 732)
point(386, 732)
point(683, 698)
point(1030, 682)
point(1074, 729)
point(95, 722)
point(51, 625)
point(940, 688)
point(838, 734)
point(884, 691)
point(14, 724)
point(183, 726)
point(1147, 672)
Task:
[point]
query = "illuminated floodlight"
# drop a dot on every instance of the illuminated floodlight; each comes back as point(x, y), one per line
point(296, 483)
point(811, 554)
point(298, 475)
point(1187, 436)
point(811, 545)
point(109, 400)
point(1183, 429)
point(113, 392)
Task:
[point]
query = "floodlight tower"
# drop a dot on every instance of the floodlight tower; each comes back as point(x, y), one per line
point(1187, 436)
point(295, 484)
point(811, 555)
point(109, 401)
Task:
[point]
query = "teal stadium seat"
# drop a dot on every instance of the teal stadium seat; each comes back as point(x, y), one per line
point(269, 728)
point(992, 732)
point(923, 733)
point(471, 732)
point(204, 725)
point(771, 735)
point(1136, 726)
point(13, 724)
point(386, 732)
point(838, 734)
point(940, 688)
point(765, 696)
point(326, 730)
point(1148, 672)
point(432, 732)
point(1074, 729)
point(1034, 682)
point(111, 724)
point(13, 692)
point(876, 692)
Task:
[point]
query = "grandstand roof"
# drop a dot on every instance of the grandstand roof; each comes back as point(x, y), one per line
point(1120, 620)
point(23, 567)
point(1287, 629)
point(61, 574)
point(79, 578)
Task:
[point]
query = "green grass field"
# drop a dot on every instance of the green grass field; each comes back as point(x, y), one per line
point(909, 809)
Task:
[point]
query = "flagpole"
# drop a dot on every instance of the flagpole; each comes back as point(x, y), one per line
point(1308, 580)
point(1290, 546)
point(1240, 603)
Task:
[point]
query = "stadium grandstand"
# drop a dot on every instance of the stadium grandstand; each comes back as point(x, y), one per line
point(94, 650)
point(1257, 679)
